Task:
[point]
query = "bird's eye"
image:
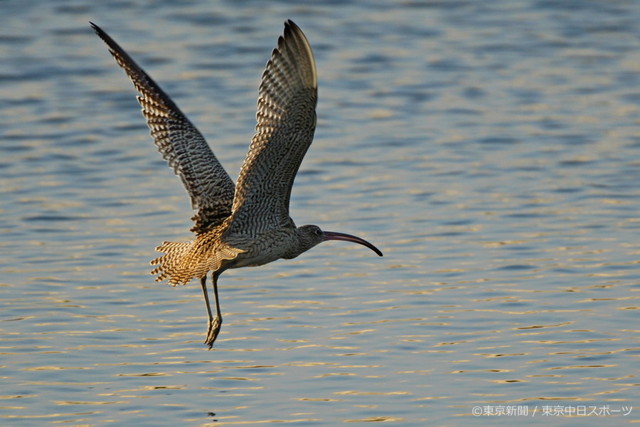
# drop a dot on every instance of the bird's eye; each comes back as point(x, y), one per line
point(318, 232)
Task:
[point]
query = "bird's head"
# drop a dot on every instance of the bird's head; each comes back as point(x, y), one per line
point(311, 235)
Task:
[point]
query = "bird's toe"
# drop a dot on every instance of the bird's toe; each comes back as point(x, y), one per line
point(213, 331)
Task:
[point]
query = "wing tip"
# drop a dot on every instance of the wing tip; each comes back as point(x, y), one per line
point(99, 31)
point(289, 25)
point(292, 32)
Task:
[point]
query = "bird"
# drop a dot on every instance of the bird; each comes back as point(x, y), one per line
point(244, 224)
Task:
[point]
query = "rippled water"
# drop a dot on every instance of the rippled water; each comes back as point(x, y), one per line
point(490, 149)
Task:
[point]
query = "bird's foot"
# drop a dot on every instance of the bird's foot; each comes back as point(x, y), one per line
point(212, 333)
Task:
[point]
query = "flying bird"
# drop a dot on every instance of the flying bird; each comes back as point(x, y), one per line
point(247, 223)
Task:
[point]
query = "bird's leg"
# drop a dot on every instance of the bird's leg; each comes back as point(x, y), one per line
point(203, 284)
point(214, 322)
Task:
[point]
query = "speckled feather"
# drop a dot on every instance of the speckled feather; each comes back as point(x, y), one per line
point(253, 227)
point(183, 261)
point(286, 122)
point(181, 144)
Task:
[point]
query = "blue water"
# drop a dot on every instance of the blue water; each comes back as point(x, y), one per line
point(491, 150)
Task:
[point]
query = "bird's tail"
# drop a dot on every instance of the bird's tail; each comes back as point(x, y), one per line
point(183, 261)
point(171, 265)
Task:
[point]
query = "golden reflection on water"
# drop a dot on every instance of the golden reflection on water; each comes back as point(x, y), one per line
point(509, 274)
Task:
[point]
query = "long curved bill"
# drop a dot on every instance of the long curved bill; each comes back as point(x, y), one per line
point(332, 235)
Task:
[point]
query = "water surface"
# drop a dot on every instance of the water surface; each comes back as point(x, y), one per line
point(490, 149)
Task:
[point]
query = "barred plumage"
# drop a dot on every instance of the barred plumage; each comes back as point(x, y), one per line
point(247, 224)
point(183, 261)
point(181, 145)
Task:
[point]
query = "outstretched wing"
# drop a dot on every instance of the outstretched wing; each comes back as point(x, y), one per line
point(180, 143)
point(286, 122)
